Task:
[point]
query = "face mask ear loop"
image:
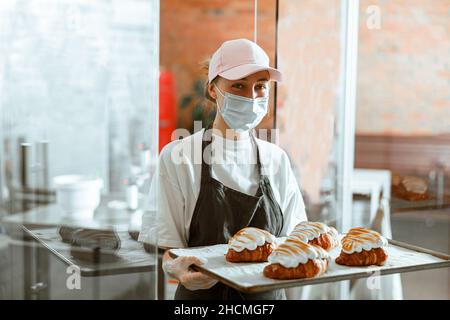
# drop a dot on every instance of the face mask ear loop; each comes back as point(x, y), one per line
point(219, 90)
point(217, 103)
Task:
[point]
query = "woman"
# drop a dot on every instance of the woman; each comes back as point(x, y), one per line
point(205, 202)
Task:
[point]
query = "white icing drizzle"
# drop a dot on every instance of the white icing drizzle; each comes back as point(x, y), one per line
point(293, 252)
point(250, 238)
point(413, 184)
point(335, 235)
point(358, 239)
point(306, 231)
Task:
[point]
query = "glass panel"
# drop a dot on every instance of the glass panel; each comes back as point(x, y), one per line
point(190, 34)
point(403, 127)
point(307, 100)
point(78, 117)
point(314, 114)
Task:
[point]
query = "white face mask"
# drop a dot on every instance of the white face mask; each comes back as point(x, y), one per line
point(241, 113)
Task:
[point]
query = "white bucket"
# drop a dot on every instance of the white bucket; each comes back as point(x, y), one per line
point(77, 195)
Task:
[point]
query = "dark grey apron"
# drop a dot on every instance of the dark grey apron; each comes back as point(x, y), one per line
point(220, 212)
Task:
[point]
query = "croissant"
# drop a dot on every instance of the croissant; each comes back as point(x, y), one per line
point(250, 245)
point(409, 188)
point(376, 256)
point(66, 233)
point(295, 259)
point(362, 247)
point(311, 269)
point(316, 233)
point(91, 238)
point(260, 254)
point(95, 245)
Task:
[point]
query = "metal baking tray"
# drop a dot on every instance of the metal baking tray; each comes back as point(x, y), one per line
point(248, 277)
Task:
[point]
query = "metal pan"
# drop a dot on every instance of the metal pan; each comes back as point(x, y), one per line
point(248, 277)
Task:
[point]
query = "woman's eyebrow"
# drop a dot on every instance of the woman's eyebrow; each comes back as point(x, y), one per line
point(245, 79)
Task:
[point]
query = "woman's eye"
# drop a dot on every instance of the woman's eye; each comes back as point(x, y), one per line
point(238, 86)
point(261, 87)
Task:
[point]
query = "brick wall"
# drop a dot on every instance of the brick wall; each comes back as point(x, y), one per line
point(191, 30)
point(404, 69)
point(309, 54)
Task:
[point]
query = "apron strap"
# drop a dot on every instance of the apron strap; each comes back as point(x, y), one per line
point(206, 157)
point(258, 157)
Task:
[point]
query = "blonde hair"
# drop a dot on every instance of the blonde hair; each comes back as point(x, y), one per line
point(205, 69)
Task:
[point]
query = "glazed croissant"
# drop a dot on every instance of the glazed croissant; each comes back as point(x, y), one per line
point(316, 233)
point(409, 188)
point(95, 245)
point(295, 259)
point(90, 238)
point(250, 245)
point(363, 247)
point(376, 256)
point(66, 233)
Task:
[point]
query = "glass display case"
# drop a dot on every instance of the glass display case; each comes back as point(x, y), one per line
point(362, 127)
point(402, 130)
point(79, 147)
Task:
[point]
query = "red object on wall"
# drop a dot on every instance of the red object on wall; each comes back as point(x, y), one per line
point(167, 108)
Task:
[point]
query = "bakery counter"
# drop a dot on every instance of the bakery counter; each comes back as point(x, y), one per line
point(399, 205)
point(38, 245)
point(49, 264)
point(130, 258)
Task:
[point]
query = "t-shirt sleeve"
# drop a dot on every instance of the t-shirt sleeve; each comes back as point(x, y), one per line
point(294, 208)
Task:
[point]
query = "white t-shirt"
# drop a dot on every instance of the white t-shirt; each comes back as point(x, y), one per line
point(234, 165)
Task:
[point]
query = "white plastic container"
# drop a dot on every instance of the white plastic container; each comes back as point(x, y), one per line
point(132, 197)
point(77, 195)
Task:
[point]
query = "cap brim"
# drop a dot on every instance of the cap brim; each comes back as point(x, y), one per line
point(245, 70)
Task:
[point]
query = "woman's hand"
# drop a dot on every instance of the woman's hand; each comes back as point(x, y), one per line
point(179, 269)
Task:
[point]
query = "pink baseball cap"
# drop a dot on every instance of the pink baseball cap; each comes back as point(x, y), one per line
point(236, 59)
